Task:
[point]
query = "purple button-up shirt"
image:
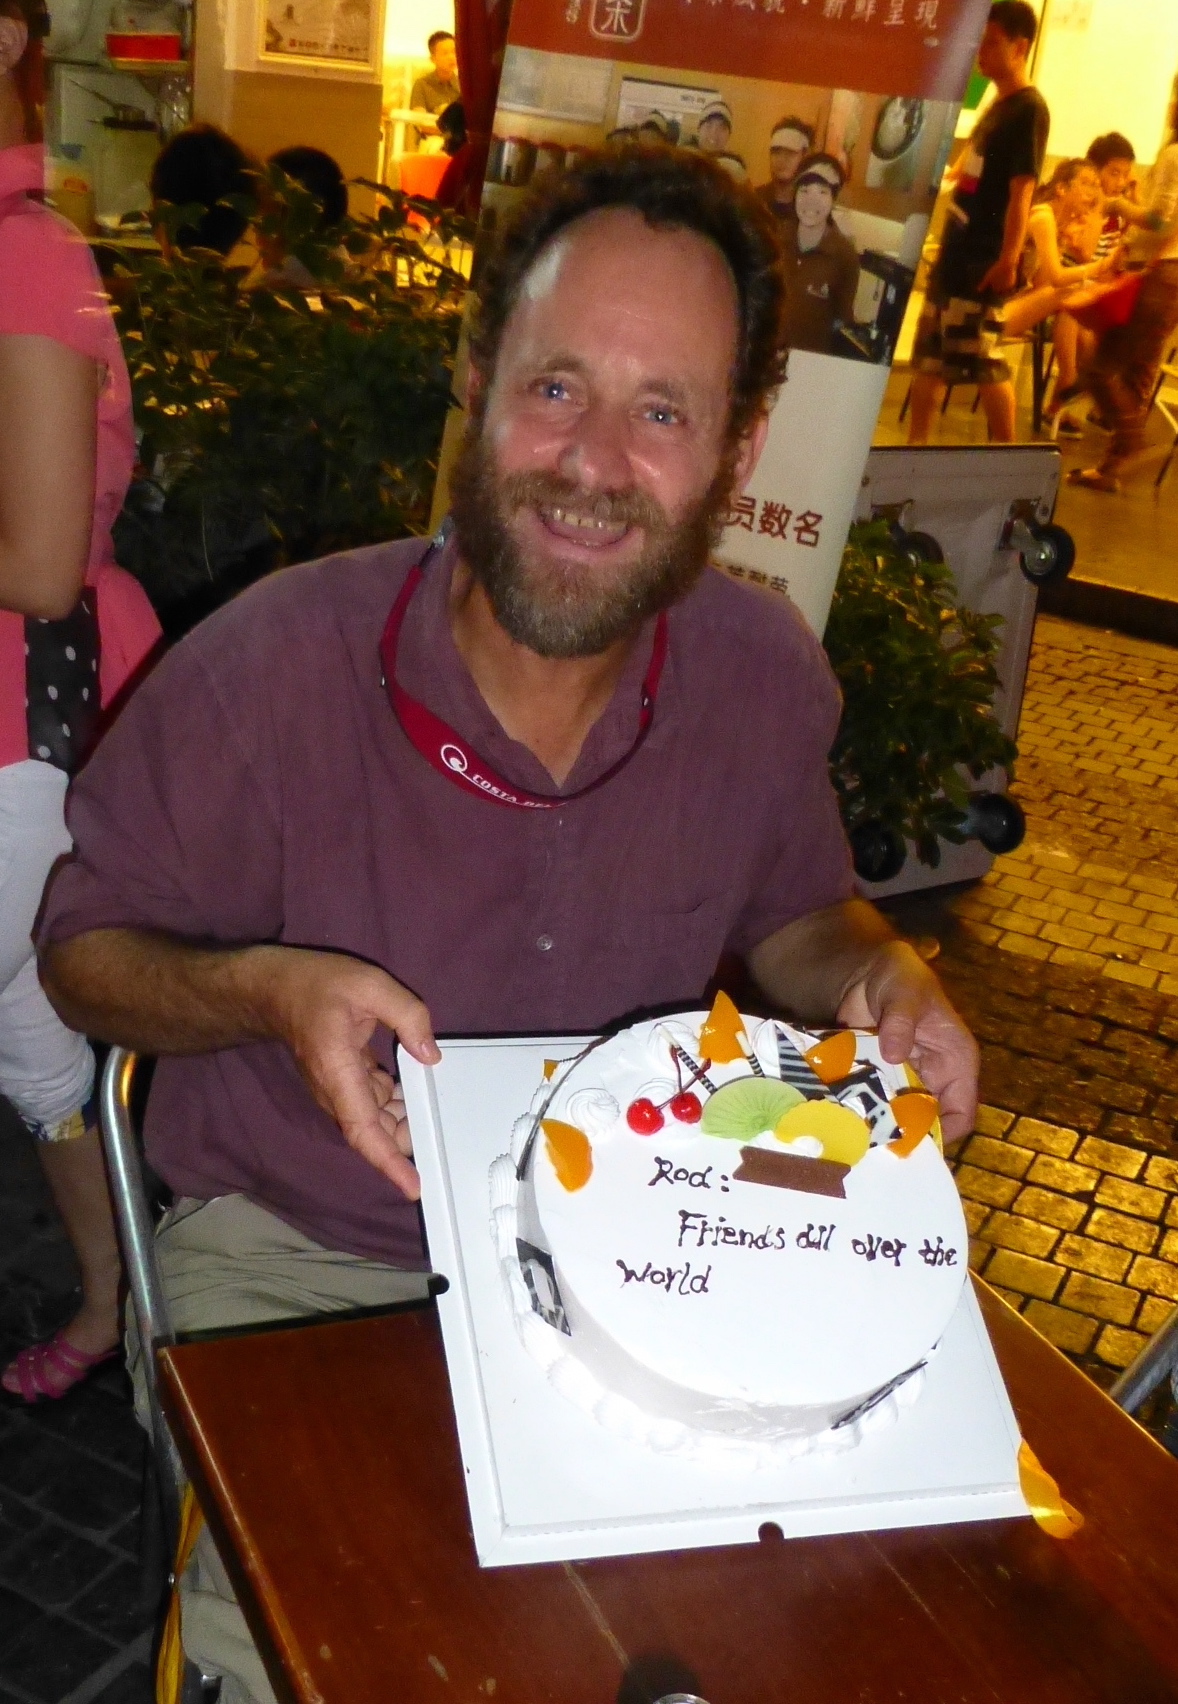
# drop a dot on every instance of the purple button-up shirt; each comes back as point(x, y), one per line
point(258, 788)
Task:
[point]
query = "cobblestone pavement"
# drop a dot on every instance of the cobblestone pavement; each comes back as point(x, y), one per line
point(76, 1606)
point(1093, 886)
point(1065, 961)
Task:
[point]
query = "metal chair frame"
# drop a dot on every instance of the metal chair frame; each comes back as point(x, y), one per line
point(136, 1227)
point(1166, 403)
point(1156, 1362)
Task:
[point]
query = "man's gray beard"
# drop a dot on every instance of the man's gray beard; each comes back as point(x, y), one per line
point(567, 613)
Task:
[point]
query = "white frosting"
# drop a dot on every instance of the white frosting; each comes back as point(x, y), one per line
point(692, 1311)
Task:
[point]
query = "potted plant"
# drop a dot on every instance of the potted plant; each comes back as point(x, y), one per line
point(277, 423)
point(918, 677)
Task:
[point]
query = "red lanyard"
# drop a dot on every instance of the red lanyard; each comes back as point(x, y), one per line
point(449, 753)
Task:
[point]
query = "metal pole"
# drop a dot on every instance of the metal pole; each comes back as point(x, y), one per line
point(1156, 1360)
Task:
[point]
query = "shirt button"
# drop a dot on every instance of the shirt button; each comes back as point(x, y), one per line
point(544, 943)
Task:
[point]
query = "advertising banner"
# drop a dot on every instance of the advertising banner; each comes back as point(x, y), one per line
point(840, 114)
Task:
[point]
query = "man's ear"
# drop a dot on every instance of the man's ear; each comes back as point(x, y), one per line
point(748, 452)
point(477, 384)
point(14, 38)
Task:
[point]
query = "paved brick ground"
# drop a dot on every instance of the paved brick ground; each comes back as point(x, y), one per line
point(1065, 961)
point(76, 1609)
point(1094, 885)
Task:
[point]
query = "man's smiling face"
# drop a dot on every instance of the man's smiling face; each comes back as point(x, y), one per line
point(598, 457)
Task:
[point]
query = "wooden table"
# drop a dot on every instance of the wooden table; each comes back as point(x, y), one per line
point(327, 1461)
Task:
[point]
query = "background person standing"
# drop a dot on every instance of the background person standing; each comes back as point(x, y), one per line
point(985, 232)
point(73, 628)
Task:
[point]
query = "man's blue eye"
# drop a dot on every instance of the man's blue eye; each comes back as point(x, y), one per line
point(662, 414)
point(554, 389)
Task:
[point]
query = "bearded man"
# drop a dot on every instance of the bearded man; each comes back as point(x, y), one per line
point(539, 781)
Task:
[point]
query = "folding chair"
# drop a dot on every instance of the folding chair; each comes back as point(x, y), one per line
point(1156, 1362)
point(136, 1224)
point(1165, 398)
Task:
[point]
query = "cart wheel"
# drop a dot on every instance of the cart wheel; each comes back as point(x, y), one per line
point(925, 546)
point(996, 820)
point(920, 545)
point(1051, 556)
point(878, 853)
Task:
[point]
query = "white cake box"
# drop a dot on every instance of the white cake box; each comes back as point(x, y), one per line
point(546, 1483)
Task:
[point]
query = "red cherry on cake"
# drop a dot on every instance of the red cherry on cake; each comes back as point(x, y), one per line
point(686, 1108)
point(644, 1117)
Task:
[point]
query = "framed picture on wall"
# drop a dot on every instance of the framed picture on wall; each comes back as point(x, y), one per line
point(334, 36)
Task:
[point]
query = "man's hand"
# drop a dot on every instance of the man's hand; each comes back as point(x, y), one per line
point(846, 963)
point(900, 996)
point(155, 994)
point(325, 1007)
point(1001, 279)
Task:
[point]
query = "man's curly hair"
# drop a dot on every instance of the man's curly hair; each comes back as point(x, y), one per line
point(671, 188)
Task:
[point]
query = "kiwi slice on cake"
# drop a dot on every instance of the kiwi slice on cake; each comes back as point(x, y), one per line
point(748, 1107)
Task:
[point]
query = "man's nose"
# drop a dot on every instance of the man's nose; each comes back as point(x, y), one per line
point(596, 451)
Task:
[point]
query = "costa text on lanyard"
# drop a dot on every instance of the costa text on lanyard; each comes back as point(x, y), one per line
point(449, 753)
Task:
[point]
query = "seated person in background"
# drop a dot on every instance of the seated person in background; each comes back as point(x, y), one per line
point(322, 178)
point(714, 138)
point(1114, 157)
point(437, 90)
point(789, 143)
point(1100, 238)
point(452, 128)
point(1124, 370)
point(202, 167)
point(277, 874)
point(1060, 214)
point(462, 180)
point(821, 266)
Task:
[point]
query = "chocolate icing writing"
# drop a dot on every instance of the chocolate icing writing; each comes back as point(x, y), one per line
point(666, 1171)
point(937, 1255)
point(710, 1233)
point(815, 1236)
point(679, 1279)
point(879, 1248)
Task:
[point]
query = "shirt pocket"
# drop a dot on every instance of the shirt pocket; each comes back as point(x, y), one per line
point(663, 952)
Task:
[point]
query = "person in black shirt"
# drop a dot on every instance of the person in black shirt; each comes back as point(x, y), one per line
point(985, 231)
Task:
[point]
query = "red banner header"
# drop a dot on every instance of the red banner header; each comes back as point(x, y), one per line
point(920, 48)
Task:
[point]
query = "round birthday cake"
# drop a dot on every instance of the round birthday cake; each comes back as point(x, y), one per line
point(723, 1232)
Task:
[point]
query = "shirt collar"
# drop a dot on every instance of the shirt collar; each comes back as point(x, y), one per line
point(431, 668)
point(22, 170)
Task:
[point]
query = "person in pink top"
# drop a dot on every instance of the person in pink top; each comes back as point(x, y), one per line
point(73, 630)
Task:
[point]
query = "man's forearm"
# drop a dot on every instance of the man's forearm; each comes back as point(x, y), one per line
point(810, 965)
point(157, 994)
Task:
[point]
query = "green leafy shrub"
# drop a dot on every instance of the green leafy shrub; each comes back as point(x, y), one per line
point(280, 423)
point(918, 677)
